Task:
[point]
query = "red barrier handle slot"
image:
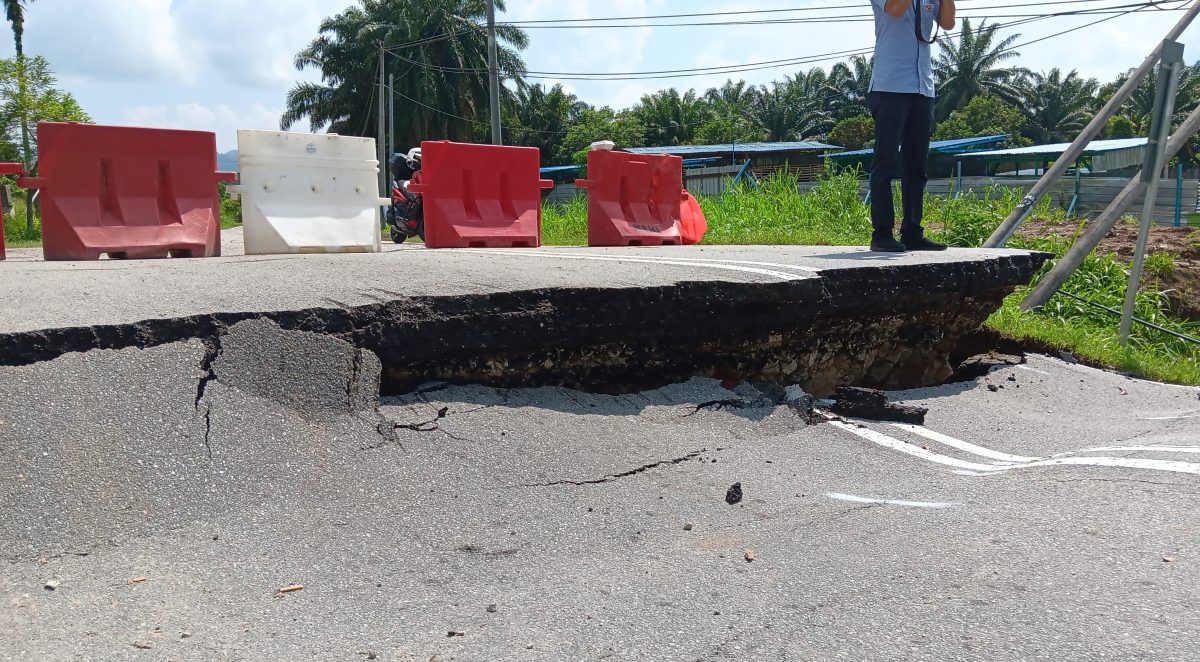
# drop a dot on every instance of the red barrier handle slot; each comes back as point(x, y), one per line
point(583, 183)
point(32, 182)
point(545, 183)
point(12, 169)
point(227, 176)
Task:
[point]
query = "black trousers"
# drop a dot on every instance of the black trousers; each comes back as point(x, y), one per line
point(903, 124)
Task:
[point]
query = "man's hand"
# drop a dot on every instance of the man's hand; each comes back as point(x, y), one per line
point(947, 15)
point(896, 8)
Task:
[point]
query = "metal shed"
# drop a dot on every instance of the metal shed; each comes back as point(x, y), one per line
point(1099, 156)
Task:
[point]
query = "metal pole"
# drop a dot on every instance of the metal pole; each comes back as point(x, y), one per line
point(1179, 194)
point(391, 119)
point(1097, 230)
point(380, 144)
point(1160, 127)
point(494, 72)
point(1010, 224)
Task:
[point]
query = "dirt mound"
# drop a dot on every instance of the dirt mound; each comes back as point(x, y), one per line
point(1182, 283)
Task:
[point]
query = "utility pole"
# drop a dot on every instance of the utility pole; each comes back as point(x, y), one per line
point(380, 143)
point(494, 72)
point(1160, 126)
point(391, 118)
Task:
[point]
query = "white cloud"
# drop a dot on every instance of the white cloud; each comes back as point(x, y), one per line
point(603, 50)
point(221, 119)
point(255, 45)
point(136, 40)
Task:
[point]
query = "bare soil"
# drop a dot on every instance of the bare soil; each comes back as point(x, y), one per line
point(1183, 245)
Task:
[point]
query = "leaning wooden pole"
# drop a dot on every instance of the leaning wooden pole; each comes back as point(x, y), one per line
point(1014, 220)
point(1098, 228)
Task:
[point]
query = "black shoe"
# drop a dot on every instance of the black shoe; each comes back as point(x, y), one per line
point(887, 245)
point(923, 244)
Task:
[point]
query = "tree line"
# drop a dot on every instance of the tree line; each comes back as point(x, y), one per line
point(437, 53)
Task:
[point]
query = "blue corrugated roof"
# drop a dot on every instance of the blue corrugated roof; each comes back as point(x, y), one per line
point(955, 146)
point(687, 163)
point(553, 169)
point(740, 148)
point(1094, 147)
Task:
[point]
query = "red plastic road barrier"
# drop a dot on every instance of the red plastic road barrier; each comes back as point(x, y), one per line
point(633, 199)
point(693, 224)
point(127, 192)
point(480, 195)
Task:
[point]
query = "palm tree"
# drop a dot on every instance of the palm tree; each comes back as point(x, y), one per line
point(737, 95)
point(1139, 108)
point(540, 117)
point(14, 11)
point(1057, 108)
point(671, 118)
point(851, 83)
point(437, 50)
point(732, 114)
point(786, 113)
point(970, 66)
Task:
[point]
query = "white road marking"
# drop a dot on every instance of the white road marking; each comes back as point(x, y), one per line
point(1025, 367)
point(1171, 418)
point(975, 468)
point(642, 260)
point(891, 502)
point(1141, 449)
point(1127, 463)
point(965, 446)
point(712, 260)
point(909, 449)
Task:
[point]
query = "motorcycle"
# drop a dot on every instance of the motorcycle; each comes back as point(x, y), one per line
point(405, 217)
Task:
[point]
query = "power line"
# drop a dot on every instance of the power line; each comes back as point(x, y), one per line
point(815, 58)
point(727, 69)
point(786, 62)
point(843, 18)
point(697, 70)
point(518, 22)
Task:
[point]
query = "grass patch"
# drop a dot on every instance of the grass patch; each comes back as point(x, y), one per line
point(1098, 342)
point(833, 214)
point(231, 209)
point(16, 229)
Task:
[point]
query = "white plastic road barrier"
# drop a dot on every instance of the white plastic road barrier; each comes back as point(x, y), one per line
point(308, 193)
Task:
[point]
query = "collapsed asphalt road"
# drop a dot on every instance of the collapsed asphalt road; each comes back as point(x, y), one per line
point(1052, 517)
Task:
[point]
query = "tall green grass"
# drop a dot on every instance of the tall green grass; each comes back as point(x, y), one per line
point(16, 230)
point(833, 213)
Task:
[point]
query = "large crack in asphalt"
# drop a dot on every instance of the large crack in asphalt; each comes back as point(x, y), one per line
point(212, 351)
point(881, 327)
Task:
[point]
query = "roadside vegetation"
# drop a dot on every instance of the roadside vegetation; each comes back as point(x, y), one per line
point(833, 214)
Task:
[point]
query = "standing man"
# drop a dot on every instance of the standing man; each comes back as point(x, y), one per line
point(901, 101)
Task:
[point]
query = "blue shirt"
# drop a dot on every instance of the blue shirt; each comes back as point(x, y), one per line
point(902, 63)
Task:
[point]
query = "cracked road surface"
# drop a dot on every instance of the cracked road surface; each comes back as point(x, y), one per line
point(471, 523)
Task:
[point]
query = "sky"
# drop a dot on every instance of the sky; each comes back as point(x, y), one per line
point(220, 65)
